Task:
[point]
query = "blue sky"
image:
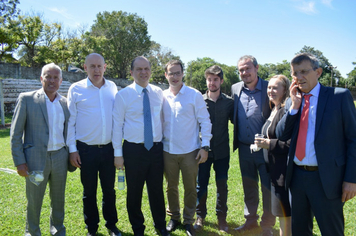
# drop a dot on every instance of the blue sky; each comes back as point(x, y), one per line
point(270, 30)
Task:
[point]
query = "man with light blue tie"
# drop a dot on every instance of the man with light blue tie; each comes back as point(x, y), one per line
point(321, 122)
point(137, 120)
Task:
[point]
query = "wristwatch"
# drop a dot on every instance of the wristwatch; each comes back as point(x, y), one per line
point(206, 148)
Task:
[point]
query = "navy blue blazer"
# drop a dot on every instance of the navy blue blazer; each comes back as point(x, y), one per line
point(335, 139)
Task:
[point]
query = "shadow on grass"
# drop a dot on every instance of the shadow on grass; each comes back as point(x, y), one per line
point(4, 133)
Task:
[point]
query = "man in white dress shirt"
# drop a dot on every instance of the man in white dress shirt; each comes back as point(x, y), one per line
point(143, 158)
point(90, 103)
point(38, 132)
point(185, 114)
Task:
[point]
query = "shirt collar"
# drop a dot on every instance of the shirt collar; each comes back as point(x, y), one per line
point(258, 85)
point(206, 97)
point(89, 83)
point(139, 89)
point(315, 91)
point(56, 99)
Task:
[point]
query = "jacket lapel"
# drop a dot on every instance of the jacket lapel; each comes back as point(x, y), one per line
point(42, 101)
point(322, 100)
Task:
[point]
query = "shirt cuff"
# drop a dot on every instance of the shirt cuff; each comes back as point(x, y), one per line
point(118, 152)
point(72, 148)
point(292, 112)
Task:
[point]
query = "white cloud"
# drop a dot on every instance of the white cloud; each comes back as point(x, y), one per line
point(327, 3)
point(62, 12)
point(307, 7)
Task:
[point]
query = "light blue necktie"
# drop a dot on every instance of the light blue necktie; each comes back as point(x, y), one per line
point(148, 136)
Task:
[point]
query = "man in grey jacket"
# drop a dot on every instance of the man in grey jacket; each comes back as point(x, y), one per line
point(38, 134)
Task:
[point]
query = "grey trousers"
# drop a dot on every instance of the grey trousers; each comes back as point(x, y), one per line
point(55, 174)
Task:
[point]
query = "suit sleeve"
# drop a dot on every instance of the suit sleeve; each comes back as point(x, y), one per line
point(17, 129)
point(349, 123)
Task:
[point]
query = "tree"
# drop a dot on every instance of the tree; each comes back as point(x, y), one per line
point(351, 77)
point(195, 77)
point(120, 37)
point(8, 24)
point(158, 58)
point(325, 64)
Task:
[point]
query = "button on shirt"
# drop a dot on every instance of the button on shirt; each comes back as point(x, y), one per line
point(220, 113)
point(310, 156)
point(90, 113)
point(250, 119)
point(56, 119)
point(183, 115)
point(128, 115)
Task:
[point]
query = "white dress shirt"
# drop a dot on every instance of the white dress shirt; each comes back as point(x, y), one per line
point(128, 115)
point(56, 119)
point(310, 156)
point(90, 113)
point(183, 115)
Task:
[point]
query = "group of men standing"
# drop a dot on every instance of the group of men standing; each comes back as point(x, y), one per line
point(165, 133)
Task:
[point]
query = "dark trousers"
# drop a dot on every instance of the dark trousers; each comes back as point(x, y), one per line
point(309, 200)
point(143, 166)
point(221, 168)
point(98, 159)
point(252, 166)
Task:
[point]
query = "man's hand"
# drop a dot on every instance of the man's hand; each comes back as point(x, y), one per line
point(295, 95)
point(119, 163)
point(202, 156)
point(75, 159)
point(22, 170)
point(262, 142)
point(348, 191)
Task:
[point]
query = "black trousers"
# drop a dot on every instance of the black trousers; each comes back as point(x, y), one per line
point(143, 166)
point(98, 160)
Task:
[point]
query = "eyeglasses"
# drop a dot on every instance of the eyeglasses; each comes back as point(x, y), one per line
point(302, 73)
point(172, 74)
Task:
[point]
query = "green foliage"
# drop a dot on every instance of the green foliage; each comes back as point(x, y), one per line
point(351, 77)
point(269, 70)
point(194, 75)
point(158, 58)
point(324, 64)
point(120, 37)
point(8, 41)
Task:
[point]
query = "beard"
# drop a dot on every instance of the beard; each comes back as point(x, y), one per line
point(213, 90)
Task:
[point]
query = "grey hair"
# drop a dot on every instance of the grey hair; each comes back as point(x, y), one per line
point(51, 66)
point(299, 58)
point(248, 57)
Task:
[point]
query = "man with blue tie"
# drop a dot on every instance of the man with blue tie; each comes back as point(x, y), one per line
point(137, 120)
point(322, 160)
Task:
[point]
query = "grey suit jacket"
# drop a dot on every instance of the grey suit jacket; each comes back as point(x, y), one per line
point(335, 139)
point(29, 132)
point(235, 94)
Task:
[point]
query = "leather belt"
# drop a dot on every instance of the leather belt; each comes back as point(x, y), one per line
point(307, 168)
point(94, 145)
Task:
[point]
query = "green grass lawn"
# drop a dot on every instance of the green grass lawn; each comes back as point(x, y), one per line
point(13, 203)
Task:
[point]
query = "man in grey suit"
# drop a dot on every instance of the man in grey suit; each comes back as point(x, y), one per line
point(322, 160)
point(38, 133)
point(251, 109)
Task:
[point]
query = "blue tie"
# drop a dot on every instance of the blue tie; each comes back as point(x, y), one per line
point(148, 137)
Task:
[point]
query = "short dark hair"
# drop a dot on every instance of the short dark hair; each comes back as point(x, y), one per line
point(174, 62)
point(299, 58)
point(139, 57)
point(248, 57)
point(214, 70)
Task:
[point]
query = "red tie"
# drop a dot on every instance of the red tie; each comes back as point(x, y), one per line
point(303, 128)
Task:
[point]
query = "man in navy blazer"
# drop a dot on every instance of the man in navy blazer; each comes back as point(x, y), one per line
point(323, 177)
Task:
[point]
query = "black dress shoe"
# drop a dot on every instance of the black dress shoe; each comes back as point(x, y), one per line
point(91, 233)
point(189, 229)
point(162, 232)
point(172, 225)
point(245, 227)
point(114, 232)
